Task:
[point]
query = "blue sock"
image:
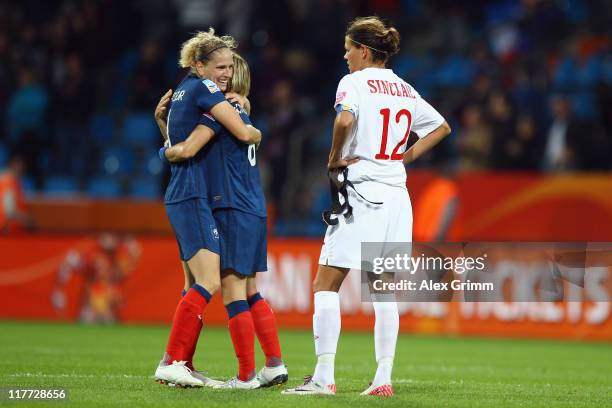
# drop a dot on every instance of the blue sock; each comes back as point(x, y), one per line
point(236, 307)
point(254, 299)
point(202, 291)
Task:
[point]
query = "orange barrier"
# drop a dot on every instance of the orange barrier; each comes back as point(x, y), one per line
point(492, 207)
point(103, 278)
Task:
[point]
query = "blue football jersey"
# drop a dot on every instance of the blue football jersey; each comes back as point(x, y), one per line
point(192, 98)
point(232, 173)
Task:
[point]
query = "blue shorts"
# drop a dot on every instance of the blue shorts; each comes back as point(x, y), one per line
point(194, 227)
point(244, 244)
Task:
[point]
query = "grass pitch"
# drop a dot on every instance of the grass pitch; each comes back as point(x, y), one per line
point(113, 366)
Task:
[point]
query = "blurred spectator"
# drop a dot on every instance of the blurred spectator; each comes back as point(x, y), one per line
point(575, 143)
point(13, 213)
point(72, 110)
point(501, 117)
point(284, 119)
point(102, 268)
point(74, 71)
point(474, 140)
point(435, 209)
point(27, 120)
point(148, 80)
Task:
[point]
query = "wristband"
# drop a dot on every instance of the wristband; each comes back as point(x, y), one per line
point(162, 154)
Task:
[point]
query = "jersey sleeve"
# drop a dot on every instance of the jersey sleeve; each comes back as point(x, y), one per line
point(208, 95)
point(207, 120)
point(242, 112)
point(427, 119)
point(347, 98)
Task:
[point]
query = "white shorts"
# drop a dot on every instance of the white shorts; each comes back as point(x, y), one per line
point(389, 222)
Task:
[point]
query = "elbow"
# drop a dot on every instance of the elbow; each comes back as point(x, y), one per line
point(244, 136)
point(344, 123)
point(188, 154)
point(446, 129)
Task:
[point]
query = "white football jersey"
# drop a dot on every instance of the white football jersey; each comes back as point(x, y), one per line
point(386, 109)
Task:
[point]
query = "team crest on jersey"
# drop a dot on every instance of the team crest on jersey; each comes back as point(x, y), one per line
point(340, 96)
point(214, 232)
point(212, 87)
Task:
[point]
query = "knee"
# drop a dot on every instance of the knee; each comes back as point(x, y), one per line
point(211, 283)
point(320, 285)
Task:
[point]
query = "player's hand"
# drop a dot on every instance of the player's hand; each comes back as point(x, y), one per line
point(233, 97)
point(161, 111)
point(334, 164)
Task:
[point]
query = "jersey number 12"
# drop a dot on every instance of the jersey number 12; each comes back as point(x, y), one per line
point(386, 114)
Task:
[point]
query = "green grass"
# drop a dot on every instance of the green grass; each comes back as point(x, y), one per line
point(113, 366)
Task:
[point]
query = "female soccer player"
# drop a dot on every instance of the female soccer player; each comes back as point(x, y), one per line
point(209, 58)
point(238, 204)
point(376, 112)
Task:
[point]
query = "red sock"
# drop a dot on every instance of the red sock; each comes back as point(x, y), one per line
point(265, 327)
point(186, 326)
point(191, 351)
point(242, 332)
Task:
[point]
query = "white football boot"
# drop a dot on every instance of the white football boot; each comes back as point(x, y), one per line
point(208, 382)
point(269, 376)
point(311, 387)
point(177, 374)
point(385, 390)
point(236, 384)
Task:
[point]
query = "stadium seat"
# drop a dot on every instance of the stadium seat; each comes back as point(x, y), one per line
point(150, 164)
point(590, 73)
point(140, 129)
point(60, 186)
point(146, 188)
point(584, 105)
point(28, 186)
point(117, 161)
point(3, 155)
point(564, 77)
point(102, 128)
point(456, 71)
point(103, 187)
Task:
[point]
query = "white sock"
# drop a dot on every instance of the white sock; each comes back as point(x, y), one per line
point(385, 339)
point(326, 330)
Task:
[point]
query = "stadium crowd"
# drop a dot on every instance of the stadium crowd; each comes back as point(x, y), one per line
point(525, 85)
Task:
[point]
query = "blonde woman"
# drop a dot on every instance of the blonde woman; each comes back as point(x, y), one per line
point(210, 60)
point(239, 209)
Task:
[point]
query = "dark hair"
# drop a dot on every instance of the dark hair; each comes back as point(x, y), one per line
point(372, 33)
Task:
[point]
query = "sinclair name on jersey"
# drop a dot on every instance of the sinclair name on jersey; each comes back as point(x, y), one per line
point(390, 88)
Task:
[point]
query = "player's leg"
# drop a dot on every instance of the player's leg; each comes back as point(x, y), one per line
point(326, 330)
point(386, 328)
point(326, 321)
point(274, 372)
point(398, 214)
point(189, 282)
point(242, 329)
point(188, 277)
point(194, 227)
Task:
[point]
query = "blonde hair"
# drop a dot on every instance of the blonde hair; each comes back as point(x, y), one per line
point(201, 45)
point(241, 79)
point(371, 32)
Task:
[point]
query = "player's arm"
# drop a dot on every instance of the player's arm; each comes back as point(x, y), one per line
point(191, 146)
point(225, 114)
point(342, 128)
point(240, 99)
point(426, 143)
point(161, 114)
